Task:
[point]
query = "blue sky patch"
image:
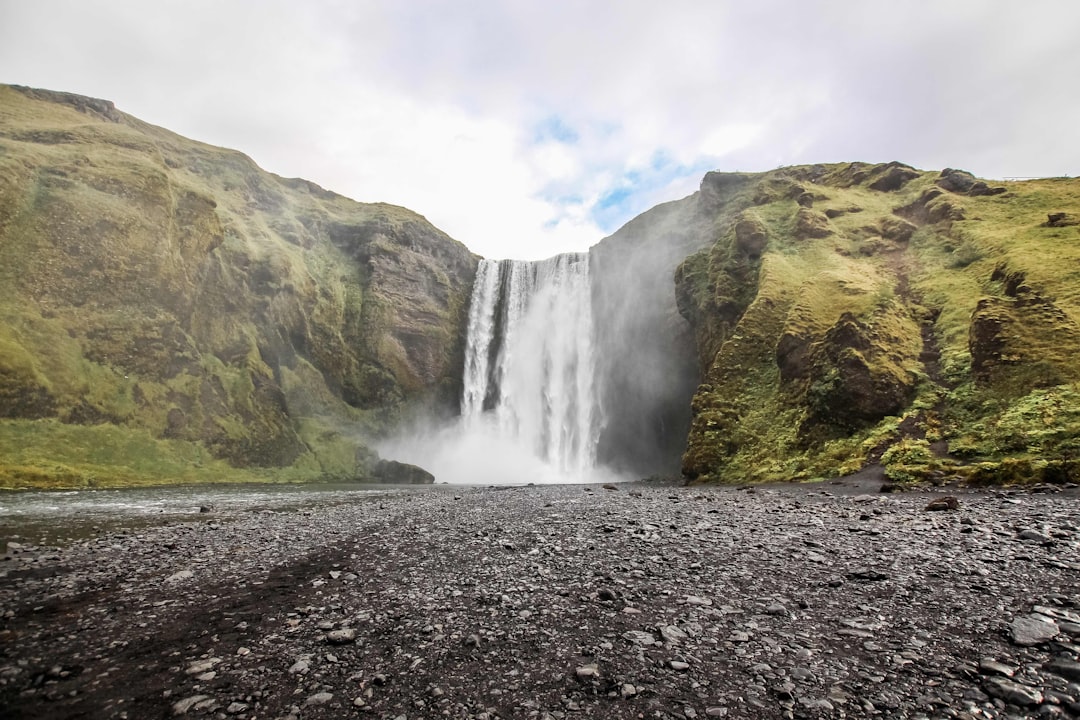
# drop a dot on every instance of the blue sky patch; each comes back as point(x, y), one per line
point(554, 128)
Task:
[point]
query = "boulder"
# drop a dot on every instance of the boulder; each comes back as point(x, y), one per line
point(393, 472)
point(811, 224)
point(750, 236)
point(956, 181)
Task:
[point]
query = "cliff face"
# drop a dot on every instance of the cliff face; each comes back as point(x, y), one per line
point(647, 362)
point(846, 315)
point(169, 310)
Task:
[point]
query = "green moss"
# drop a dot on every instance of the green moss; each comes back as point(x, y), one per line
point(954, 316)
point(158, 284)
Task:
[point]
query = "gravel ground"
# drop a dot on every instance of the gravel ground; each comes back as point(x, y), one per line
point(560, 602)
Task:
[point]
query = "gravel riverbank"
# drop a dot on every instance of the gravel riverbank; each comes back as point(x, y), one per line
point(560, 602)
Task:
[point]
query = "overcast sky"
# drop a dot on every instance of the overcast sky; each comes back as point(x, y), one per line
point(529, 128)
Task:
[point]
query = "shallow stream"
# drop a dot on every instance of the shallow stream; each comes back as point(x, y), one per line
point(58, 517)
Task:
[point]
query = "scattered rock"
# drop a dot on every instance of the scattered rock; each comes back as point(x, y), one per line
point(318, 699)
point(1034, 629)
point(1067, 669)
point(587, 672)
point(344, 636)
point(989, 666)
point(1036, 536)
point(181, 707)
point(1012, 692)
point(948, 502)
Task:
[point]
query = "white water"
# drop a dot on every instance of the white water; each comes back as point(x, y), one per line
point(529, 405)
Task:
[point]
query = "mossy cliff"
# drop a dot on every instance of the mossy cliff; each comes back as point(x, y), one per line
point(847, 315)
point(171, 312)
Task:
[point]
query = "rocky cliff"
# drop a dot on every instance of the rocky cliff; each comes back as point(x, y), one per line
point(853, 315)
point(169, 311)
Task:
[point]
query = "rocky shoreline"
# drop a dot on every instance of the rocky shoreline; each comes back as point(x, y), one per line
point(560, 602)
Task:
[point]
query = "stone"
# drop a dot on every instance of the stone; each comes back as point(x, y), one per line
point(1067, 669)
point(319, 699)
point(990, 666)
point(235, 708)
point(1036, 536)
point(672, 634)
point(299, 667)
point(587, 672)
point(197, 668)
point(956, 181)
point(949, 502)
point(1012, 692)
point(344, 636)
point(180, 576)
point(181, 707)
point(639, 637)
point(393, 472)
point(679, 665)
point(868, 574)
point(1034, 629)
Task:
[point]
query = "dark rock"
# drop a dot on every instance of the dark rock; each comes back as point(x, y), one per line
point(393, 472)
point(1036, 536)
point(1030, 630)
point(1068, 669)
point(1060, 219)
point(344, 636)
point(897, 229)
point(832, 213)
point(751, 236)
point(949, 502)
point(806, 200)
point(811, 224)
point(868, 574)
point(894, 177)
point(982, 189)
point(1012, 692)
point(956, 181)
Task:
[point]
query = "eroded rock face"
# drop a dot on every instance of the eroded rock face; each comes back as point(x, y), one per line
point(160, 284)
point(853, 339)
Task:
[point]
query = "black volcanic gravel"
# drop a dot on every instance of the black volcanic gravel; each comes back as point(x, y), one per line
point(560, 602)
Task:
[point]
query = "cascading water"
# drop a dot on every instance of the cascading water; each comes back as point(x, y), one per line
point(529, 406)
point(530, 372)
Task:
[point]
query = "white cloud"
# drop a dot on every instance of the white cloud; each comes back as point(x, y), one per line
point(436, 105)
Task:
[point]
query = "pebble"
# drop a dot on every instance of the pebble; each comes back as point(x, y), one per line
point(318, 699)
point(773, 603)
point(1012, 692)
point(1034, 629)
point(344, 636)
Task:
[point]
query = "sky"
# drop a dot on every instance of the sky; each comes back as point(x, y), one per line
point(526, 128)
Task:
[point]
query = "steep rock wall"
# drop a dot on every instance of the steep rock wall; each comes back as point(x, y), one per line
point(161, 289)
point(857, 314)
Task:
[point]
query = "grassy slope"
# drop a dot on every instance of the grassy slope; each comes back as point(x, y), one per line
point(163, 300)
point(851, 340)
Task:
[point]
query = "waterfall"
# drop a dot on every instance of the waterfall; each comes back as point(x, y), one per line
point(530, 372)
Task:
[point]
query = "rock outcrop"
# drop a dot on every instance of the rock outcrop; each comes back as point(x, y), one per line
point(162, 300)
point(848, 315)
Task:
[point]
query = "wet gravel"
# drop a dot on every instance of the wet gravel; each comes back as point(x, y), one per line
point(560, 602)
